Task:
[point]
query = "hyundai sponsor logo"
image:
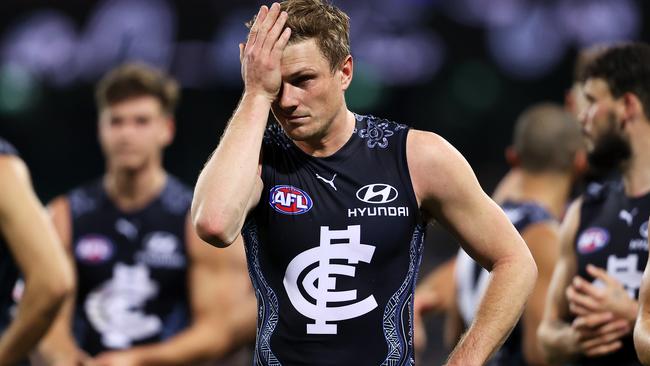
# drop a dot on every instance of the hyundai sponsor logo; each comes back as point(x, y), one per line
point(290, 200)
point(377, 193)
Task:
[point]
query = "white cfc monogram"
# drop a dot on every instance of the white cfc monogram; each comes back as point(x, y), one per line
point(320, 284)
point(625, 271)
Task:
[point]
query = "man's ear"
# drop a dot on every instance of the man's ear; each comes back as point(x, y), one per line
point(346, 71)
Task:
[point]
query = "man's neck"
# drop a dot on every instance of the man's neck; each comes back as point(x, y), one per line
point(333, 139)
point(549, 189)
point(134, 189)
point(636, 171)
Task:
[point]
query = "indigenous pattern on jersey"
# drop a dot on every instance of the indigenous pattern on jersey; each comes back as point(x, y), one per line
point(472, 280)
point(333, 250)
point(8, 269)
point(613, 235)
point(131, 268)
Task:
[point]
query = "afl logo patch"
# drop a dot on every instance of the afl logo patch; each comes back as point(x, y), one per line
point(94, 249)
point(592, 239)
point(290, 200)
point(377, 193)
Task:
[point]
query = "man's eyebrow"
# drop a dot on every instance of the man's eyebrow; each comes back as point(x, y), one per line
point(301, 72)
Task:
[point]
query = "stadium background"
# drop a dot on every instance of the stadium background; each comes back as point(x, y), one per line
point(461, 68)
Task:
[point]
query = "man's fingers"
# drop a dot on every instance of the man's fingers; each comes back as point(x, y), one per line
point(600, 274)
point(603, 349)
point(282, 42)
point(255, 28)
point(578, 310)
point(583, 286)
point(620, 326)
point(581, 299)
point(592, 320)
point(267, 24)
point(275, 32)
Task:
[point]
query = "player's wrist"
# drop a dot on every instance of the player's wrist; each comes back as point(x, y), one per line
point(258, 97)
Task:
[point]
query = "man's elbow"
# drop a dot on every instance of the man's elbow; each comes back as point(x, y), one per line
point(215, 232)
point(641, 343)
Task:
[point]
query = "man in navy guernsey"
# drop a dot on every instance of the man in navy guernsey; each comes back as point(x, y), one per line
point(549, 154)
point(332, 206)
point(591, 307)
point(29, 246)
point(149, 291)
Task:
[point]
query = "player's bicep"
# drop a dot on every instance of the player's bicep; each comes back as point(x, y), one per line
point(557, 307)
point(24, 222)
point(449, 191)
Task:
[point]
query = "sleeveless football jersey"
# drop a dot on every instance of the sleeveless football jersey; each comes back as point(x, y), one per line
point(472, 280)
point(131, 268)
point(8, 268)
point(613, 235)
point(333, 250)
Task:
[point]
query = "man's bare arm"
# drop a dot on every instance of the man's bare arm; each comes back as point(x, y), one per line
point(642, 328)
point(39, 255)
point(448, 190)
point(230, 185)
point(544, 243)
point(59, 346)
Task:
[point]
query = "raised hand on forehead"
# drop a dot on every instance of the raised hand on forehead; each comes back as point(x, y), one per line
point(262, 54)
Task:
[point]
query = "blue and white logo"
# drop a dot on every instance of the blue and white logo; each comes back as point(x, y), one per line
point(290, 200)
point(94, 249)
point(592, 239)
point(377, 193)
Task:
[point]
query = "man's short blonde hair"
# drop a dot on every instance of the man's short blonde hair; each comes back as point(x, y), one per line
point(324, 22)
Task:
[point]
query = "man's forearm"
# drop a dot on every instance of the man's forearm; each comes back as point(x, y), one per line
point(196, 344)
point(227, 182)
point(642, 339)
point(36, 311)
point(511, 282)
point(558, 341)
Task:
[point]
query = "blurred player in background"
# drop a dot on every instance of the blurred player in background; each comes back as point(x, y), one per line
point(549, 152)
point(28, 246)
point(149, 291)
point(591, 306)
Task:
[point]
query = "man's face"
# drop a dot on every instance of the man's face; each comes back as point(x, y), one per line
point(134, 132)
point(311, 95)
point(607, 143)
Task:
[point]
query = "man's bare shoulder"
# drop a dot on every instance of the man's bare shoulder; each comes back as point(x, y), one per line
point(434, 164)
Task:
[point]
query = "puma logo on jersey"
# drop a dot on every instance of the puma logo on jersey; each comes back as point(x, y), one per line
point(627, 216)
point(330, 182)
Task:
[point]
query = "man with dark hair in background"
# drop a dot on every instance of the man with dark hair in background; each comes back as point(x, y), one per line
point(549, 152)
point(149, 291)
point(28, 246)
point(591, 306)
point(332, 206)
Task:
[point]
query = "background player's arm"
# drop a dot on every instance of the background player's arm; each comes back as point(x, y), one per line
point(37, 252)
point(642, 328)
point(58, 346)
point(591, 335)
point(230, 184)
point(543, 241)
point(223, 307)
point(434, 294)
point(448, 190)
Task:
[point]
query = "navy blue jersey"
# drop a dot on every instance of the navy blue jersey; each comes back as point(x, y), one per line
point(8, 269)
point(613, 235)
point(472, 280)
point(131, 268)
point(333, 250)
